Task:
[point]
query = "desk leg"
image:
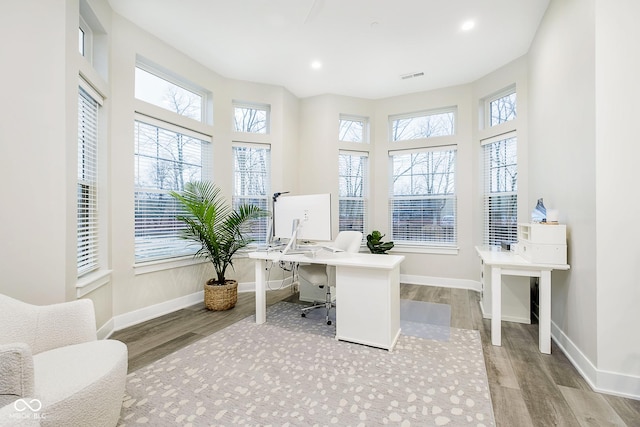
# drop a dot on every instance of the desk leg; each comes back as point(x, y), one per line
point(261, 292)
point(544, 312)
point(496, 305)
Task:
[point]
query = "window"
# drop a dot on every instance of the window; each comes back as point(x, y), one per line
point(85, 39)
point(151, 87)
point(502, 107)
point(500, 190)
point(87, 181)
point(252, 118)
point(352, 191)
point(422, 202)
point(166, 157)
point(422, 125)
point(252, 182)
point(353, 129)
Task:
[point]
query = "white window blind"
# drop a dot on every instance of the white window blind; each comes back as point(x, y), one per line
point(422, 203)
point(352, 191)
point(500, 189)
point(252, 183)
point(166, 157)
point(87, 182)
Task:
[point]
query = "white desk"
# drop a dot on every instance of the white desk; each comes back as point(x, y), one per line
point(367, 293)
point(509, 263)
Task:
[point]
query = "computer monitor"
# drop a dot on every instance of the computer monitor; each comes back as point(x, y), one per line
point(313, 212)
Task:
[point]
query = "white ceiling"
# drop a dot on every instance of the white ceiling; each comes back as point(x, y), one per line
point(365, 46)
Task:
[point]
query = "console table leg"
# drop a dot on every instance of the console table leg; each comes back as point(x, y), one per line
point(544, 312)
point(496, 305)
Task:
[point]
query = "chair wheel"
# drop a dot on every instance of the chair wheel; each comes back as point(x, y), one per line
point(303, 315)
point(328, 322)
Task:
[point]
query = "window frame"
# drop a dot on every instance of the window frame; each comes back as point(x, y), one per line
point(236, 198)
point(364, 198)
point(154, 115)
point(251, 106)
point(179, 251)
point(438, 246)
point(488, 196)
point(87, 39)
point(509, 90)
point(418, 114)
point(179, 82)
point(353, 118)
point(89, 207)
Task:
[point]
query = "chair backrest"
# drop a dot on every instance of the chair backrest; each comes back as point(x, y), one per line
point(348, 241)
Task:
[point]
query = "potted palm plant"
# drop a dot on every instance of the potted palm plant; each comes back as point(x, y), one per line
point(220, 231)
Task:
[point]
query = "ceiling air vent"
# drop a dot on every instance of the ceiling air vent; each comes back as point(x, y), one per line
point(411, 75)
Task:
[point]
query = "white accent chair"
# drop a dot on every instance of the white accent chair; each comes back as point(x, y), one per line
point(324, 276)
point(53, 370)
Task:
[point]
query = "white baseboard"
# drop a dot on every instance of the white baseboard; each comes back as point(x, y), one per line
point(151, 312)
point(487, 315)
point(444, 282)
point(601, 381)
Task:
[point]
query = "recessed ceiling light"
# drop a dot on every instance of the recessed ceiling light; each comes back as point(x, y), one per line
point(316, 65)
point(467, 25)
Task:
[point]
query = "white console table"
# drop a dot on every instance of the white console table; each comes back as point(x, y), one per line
point(503, 263)
point(367, 293)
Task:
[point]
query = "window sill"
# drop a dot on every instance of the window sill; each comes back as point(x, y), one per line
point(166, 264)
point(91, 282)
point(425, 250)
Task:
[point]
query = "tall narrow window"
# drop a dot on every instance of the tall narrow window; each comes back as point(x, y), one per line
point(422, 202)
point(252, 182)
point(353, 129)
point(500, 190)
point(352, 191)
point(251, 118)
point(87, 182)
point(166, 157)
point(421, 125)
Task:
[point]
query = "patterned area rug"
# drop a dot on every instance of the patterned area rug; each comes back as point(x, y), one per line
point(290, 371)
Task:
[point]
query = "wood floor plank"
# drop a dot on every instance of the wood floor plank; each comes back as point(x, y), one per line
point(509, 407)
point(627, 409)
point(591, 409)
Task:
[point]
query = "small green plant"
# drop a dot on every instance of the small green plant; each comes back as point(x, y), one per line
point(375, 243)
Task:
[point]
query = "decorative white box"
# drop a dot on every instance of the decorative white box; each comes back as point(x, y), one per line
point(543, 243)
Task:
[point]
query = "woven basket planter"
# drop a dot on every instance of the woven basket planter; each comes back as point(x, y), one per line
point(221, 297)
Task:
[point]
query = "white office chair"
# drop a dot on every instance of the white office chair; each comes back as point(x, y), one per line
point(324, 276)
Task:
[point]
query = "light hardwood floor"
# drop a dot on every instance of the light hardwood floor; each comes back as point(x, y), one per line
point(527, 388)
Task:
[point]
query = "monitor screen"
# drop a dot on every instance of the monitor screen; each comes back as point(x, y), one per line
point(312, 210)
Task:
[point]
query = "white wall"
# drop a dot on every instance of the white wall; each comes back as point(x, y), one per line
point(583, 85)
point(617, 71)
point(562, 157)
point(33, 146)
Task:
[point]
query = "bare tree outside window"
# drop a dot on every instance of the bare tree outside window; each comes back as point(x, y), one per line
point(352, 130)
point(168, 95)
point(352, 170)
point(252, 170)
point(422, 126)
point(501, 191)
point(251, 119)
point(423, 197)
point(503, 109)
